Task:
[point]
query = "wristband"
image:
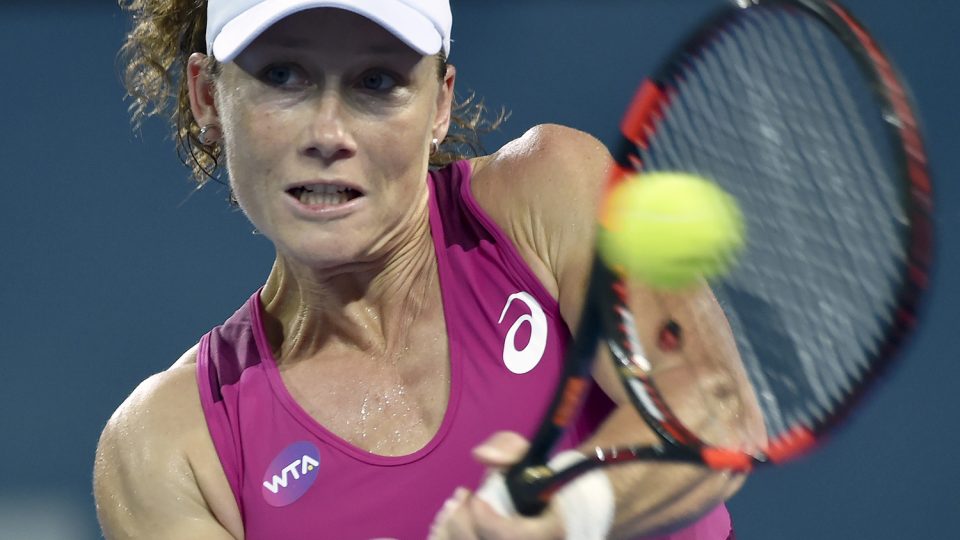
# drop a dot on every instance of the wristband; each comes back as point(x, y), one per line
point(586, 505)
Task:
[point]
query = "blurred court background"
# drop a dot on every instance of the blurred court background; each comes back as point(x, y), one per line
point(111, 266)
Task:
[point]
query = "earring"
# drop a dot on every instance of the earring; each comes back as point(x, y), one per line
point(207, 138)
point(434, 147)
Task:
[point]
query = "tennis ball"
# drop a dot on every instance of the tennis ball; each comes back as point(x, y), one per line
point(669, 229)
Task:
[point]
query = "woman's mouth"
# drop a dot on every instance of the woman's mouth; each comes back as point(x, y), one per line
point(324, 194)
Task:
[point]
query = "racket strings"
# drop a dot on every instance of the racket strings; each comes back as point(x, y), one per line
point(728, 422)
point(871, 164)
point(820, 81)
point(671, 146)
point(706, 113)
point(774, 112)
point(824, 240)
point(863, 163)
point(754, 102)
point(698, 380)
point(858, 180)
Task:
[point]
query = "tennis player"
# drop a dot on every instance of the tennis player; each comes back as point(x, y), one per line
point(411, 331)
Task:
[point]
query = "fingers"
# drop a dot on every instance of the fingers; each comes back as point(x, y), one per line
point(501, 450)
point(490, 514)
point(451, 521)
point(492, 525)
point(467, 517)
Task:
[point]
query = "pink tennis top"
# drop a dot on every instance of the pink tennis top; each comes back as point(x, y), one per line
point(294, 479)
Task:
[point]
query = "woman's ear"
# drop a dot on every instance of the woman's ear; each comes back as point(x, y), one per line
point(201, 86)
point(445, 103)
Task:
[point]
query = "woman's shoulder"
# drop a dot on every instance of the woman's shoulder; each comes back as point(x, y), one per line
point(162, 407)
point(161, 417)
point(543, 190)
point(545, 154)
point(549, 176)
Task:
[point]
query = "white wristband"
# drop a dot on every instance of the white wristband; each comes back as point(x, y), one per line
point(586, 504)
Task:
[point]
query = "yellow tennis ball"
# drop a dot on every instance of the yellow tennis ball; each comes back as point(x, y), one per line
point(669, 229)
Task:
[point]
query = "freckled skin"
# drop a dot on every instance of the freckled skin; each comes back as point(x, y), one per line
point(324, 122)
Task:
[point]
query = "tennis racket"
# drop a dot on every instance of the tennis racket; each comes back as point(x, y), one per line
point(793, 109)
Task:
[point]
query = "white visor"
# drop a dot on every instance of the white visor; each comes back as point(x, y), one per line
point(424, 25)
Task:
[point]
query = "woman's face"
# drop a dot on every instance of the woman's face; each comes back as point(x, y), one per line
point(327, 121)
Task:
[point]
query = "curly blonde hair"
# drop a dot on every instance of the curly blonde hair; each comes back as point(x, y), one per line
point(154, 61)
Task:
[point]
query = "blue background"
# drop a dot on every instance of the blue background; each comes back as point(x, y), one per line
point(111, 264)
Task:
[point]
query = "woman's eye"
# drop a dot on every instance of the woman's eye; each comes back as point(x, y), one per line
point(378, 82)
point(283, 76)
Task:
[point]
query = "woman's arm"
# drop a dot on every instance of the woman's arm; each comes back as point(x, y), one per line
point(555, 178)
point(152, 461)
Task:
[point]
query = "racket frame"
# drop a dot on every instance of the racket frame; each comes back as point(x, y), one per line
point(606, 316)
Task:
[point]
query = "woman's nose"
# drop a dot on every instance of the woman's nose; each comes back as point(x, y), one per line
point(330, 137)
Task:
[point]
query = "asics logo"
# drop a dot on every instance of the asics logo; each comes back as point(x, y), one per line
point(290, 474)
point(523, 360)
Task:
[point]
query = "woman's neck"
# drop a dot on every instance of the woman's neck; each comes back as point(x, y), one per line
point(369, 309)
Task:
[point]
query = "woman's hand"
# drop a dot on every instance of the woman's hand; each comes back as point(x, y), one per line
point(466, 516)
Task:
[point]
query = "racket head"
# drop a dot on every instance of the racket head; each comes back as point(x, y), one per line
point(811, 322)
point(793, 109)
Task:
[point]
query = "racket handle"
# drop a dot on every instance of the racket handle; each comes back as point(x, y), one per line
point(511, 496)
point(494, 492)
point(586, 505)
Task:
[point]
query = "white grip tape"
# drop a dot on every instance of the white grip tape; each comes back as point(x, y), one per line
point(586, 504)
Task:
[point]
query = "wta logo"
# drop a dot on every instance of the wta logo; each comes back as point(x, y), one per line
point(291, 474)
